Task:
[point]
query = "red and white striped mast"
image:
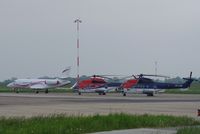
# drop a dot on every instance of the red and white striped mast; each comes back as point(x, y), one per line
point(78, 21)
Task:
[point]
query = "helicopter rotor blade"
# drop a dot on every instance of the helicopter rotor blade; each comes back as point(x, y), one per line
point(106, 76)
point(141, 75)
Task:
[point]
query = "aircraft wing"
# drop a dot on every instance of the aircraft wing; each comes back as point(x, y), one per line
point(39, 86)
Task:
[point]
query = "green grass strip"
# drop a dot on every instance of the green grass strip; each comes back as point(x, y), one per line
point(189, 130)
point(62, 124)
point(194, 89)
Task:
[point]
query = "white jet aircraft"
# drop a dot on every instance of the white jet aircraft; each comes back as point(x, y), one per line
point(40, 84)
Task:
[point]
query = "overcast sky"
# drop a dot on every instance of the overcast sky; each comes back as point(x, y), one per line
point(38, 37)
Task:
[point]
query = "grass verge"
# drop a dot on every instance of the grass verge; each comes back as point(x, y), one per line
point(4, 89)
point(189, 130)
point(194, 89)
point(62, 124)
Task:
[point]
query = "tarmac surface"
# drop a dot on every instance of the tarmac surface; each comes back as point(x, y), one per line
point(140, 131)
point(31, 104)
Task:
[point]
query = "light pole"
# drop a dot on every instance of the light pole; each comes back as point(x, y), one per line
point(78, 21)
point(156, 67)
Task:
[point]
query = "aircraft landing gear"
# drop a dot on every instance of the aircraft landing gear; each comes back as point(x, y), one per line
point(79, 93)
point(102, 93)
point(37, 92)
point(124, 94)
point(16, 90)
point(46, 91)
point(151, 94)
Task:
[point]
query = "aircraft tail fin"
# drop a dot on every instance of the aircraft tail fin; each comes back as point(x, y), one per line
point(188, 81)
point(65, 73)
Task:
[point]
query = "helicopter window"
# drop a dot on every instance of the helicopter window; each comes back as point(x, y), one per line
point(97, 81)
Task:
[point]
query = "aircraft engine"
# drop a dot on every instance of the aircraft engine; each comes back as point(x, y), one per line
point(52, 82)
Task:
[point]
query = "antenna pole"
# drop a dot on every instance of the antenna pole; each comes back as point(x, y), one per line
point(78, 21)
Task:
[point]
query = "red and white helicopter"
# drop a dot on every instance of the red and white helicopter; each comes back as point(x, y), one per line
point(96, 84)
